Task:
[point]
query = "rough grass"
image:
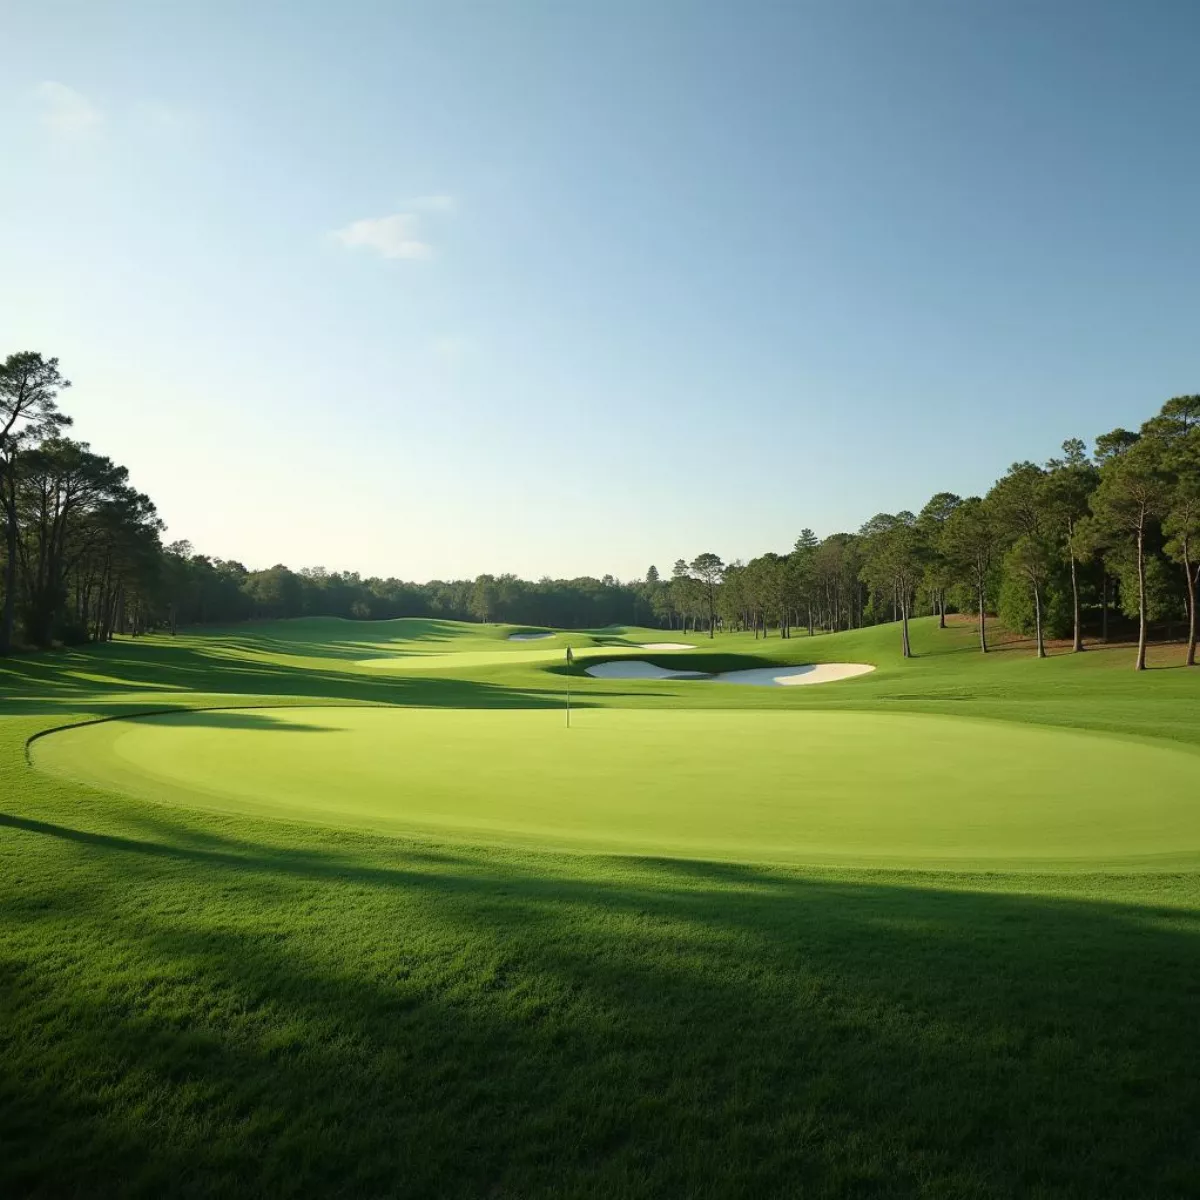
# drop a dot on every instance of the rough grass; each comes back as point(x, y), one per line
point(203, 1004)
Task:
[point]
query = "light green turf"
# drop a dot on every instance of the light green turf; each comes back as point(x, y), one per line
point(463, 658)
point(843, 788)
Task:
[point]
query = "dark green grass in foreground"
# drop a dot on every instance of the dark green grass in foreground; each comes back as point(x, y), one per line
point(197, 1004)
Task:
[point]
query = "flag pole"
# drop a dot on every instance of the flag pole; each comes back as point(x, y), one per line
point(570, 660)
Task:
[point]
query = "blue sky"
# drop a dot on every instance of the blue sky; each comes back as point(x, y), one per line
point(562, 288)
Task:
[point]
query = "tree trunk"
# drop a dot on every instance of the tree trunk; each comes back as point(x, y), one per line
point(983, 647)
point(1077, 646)
point(8, 620)
point(1191, 582)
point(1037, 616)
point(1140, 664)
point(1103, 605)
point(906, 646)
point(941, 603)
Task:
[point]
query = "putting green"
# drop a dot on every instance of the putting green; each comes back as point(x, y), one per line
point(807, 786)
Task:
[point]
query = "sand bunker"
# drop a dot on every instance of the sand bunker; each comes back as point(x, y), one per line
point(637, 669)
point(756, 676)
point(528, 637)
point(792, 676)
point(666, 646)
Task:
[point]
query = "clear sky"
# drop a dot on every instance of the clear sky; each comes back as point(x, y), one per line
point(562, 288)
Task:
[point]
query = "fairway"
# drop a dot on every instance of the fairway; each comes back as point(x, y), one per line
point(835, 788)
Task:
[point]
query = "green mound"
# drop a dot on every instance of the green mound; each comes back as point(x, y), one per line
point(817, 787)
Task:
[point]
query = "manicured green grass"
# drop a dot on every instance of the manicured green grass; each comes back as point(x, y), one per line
point(204, 1002)
point(842, 788)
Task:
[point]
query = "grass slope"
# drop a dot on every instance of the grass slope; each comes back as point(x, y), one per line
point(208, 1003)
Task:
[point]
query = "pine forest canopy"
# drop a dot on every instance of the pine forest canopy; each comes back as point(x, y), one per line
point(1076, 541)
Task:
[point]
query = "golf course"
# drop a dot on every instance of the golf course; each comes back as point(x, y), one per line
point(350, 907)
point(600, 601)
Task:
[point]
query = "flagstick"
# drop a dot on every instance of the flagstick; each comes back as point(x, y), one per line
point(569, 659)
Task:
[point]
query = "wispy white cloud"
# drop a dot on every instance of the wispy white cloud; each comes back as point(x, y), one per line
point(66, 112)
point(400, 235)
point(442, 202)
point(396, 236)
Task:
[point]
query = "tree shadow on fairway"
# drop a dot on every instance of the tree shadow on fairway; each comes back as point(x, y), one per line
point(71, 689)
point(231, 718)
point(47, 683)
point(195, 1009)
point(330, 637)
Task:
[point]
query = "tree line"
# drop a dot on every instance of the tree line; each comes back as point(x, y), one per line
point(1080, 541)
point(1081, 538)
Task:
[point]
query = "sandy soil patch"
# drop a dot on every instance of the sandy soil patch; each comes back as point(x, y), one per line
point(529, 637)
point(666, 646)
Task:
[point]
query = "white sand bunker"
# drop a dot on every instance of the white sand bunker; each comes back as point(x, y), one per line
point(528, 637)
point(665, 646)
point(637, 669)
point(793, 676)
point(756, 676)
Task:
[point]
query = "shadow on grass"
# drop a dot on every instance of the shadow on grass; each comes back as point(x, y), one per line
point(332, 637)
point(46, 683)
point(55, 683)
point(194, 1011)
point(229, 718)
